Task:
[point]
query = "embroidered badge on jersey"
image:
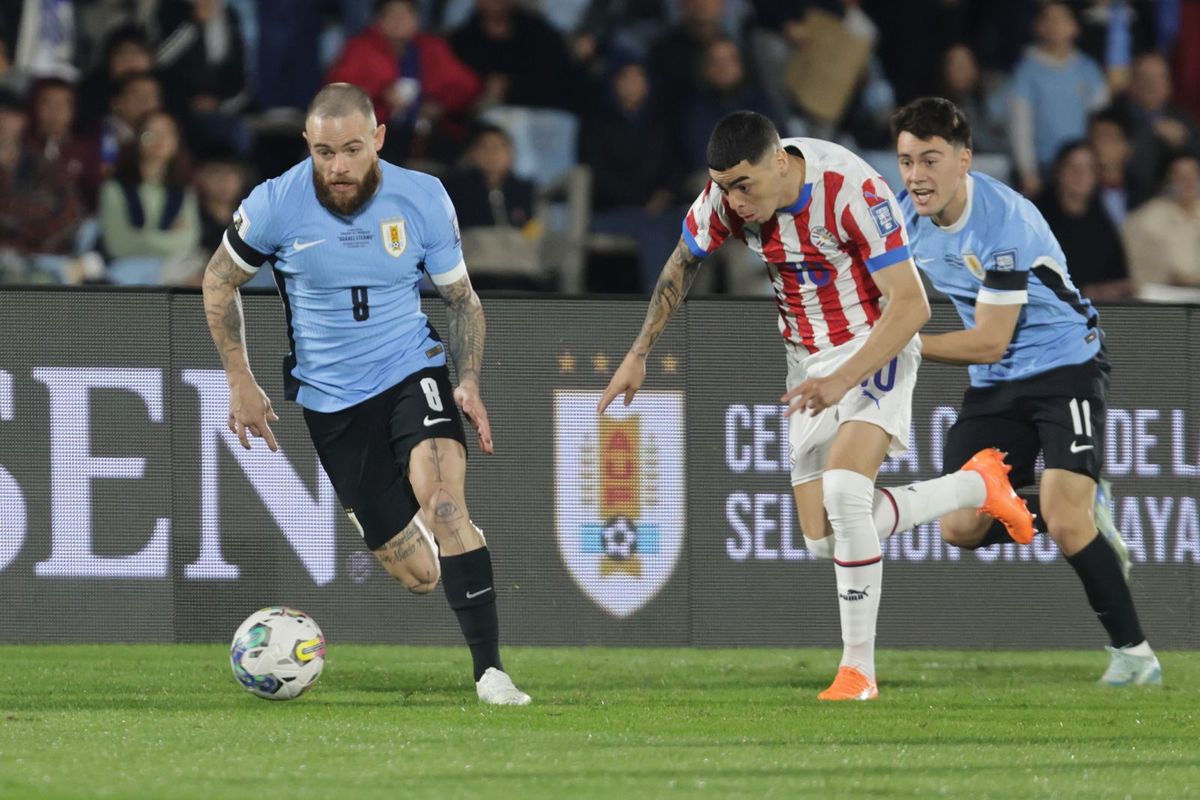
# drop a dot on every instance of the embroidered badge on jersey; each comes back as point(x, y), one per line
point(395, 237)
point(974, 266)
point(1005, 260)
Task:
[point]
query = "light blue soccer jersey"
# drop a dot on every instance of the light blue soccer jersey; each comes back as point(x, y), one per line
point(350, 285)
point(1001, 251)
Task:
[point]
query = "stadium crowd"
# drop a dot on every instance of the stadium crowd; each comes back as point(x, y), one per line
point(570, 134)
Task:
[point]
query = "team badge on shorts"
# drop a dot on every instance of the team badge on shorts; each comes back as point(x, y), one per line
point(395, 237)
point(619, 495)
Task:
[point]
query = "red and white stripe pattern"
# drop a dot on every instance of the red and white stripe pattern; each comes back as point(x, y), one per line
point(819, 253)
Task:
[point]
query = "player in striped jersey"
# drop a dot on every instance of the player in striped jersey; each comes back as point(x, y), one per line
point(834, 244)
point(1039, 373)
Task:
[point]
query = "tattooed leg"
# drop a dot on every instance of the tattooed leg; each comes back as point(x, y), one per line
point(411, 559)
point(437, 470)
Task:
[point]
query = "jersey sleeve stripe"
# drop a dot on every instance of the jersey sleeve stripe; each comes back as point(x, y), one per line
point(1016, 280)
point(690, 238)
point(242, 254)
point(887, 259)
point(833, 186)
point(997, 298)
point(450, 276)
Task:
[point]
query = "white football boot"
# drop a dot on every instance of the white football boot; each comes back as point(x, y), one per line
point(497, 689)
point(1128, 669)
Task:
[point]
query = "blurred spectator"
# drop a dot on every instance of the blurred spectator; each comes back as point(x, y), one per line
point(10, 80)
point(289, 65)
point(630, 153)
point(484, 190)
point(1162, 237)
point(202, 67)
point(136, 96)
point(775, 29)
point(917, 32)
point(500, 236)
point(45, 43)
point(220, 181)
point(417, 83)
point(1186, 49)
point(1113, 31)
point(148, 212)
point(1120, 190)
point(52, 112)
point(725, 88)
point(1054, 88)
point(626, 26)
point(40, 209)
point(126, 52)
point(677, 57)
point(1089, 239)
point(963, 84)
point(1159, 127)
point(522, 59)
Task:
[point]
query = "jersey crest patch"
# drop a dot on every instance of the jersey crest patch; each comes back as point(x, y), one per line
point(974, 265)
point(885, 220)
point(395, 237)
point(1005, 260)
point(825, 241)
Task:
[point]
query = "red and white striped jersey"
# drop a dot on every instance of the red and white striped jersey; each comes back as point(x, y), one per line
point(820, 251)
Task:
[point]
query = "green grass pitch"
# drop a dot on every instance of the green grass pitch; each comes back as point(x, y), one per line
point(169, 721)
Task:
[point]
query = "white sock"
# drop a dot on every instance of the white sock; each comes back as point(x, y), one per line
point(858, 564)
point(1142, 649)
point(901, 508)
point(820, 548)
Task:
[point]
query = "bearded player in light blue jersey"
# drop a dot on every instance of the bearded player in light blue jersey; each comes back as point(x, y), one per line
point(1035, 350)
point(349, 237)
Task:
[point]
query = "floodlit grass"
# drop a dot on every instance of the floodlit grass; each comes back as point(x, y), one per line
point(402, 722)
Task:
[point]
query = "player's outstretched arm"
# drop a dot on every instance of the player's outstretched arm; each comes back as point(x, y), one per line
point(985, 343)
point(467, 329)
point(249, 407)
point(673, 284)
point(906, 311)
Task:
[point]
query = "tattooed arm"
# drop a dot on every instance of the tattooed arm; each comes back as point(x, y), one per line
point(467, 326)
point(467, 329)
point(249, 407)
point(673, 284)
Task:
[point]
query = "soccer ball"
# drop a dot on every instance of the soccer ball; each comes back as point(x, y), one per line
point(277, 653)
point(619, 539)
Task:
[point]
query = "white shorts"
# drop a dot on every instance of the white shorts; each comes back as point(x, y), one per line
point(884, 399)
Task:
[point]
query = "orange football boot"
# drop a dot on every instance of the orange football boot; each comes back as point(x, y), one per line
point(850, 684)
point(1002, 501)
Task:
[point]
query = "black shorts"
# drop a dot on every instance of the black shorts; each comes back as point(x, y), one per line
point(365, 448)
point(1060, 413)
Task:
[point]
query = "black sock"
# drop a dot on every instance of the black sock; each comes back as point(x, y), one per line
point(998, 534)
point(1107, 592)
point(467, 581)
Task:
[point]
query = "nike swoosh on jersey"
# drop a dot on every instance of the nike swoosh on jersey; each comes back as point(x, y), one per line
point(1079, 448)
point(429, 421)
point(473, 595)
point(298, 245)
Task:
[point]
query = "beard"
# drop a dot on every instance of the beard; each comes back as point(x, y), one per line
point(347, 205)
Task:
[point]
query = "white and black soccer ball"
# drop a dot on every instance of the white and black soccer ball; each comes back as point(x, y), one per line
point(619, 539)
point(278, 653)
